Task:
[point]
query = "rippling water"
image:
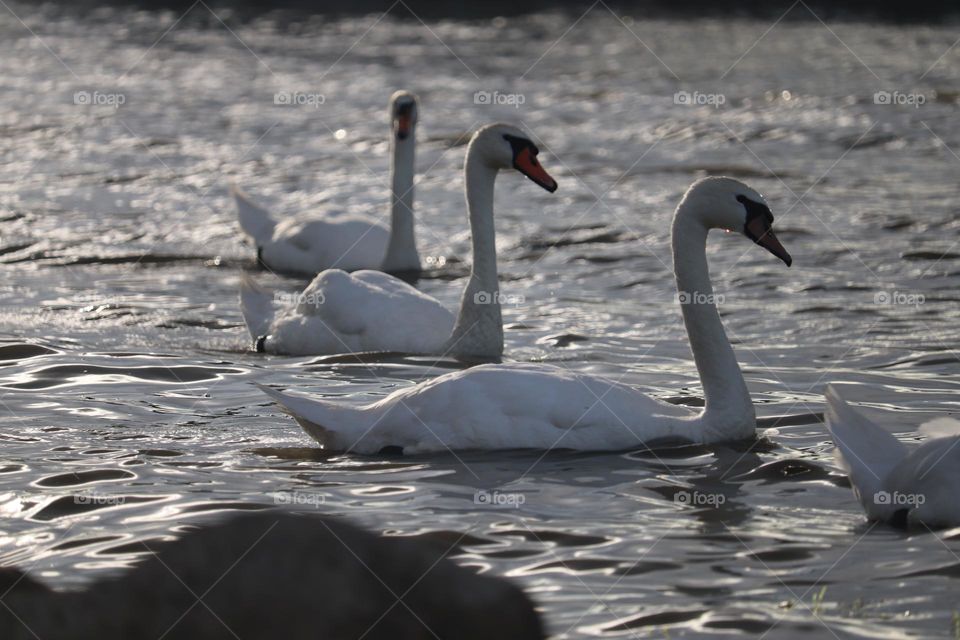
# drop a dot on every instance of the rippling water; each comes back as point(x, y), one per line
point(124, 364)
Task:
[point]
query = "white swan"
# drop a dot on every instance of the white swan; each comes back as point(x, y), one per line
point(510, 406)
point(348, 242)
point(894, 484)
point(373, 311)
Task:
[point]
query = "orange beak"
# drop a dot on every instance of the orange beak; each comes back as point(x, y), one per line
point(526, 163)
point(404, 124)
point(762, 232)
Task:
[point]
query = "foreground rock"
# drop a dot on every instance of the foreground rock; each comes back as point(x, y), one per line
point(274, 575)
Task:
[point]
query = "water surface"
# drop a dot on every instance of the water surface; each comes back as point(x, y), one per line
point(125, 369)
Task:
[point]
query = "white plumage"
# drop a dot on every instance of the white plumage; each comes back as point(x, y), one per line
point(893, 483)
point(371, 311)
point(340, 312)
point(495, 406)
point(509, 406)
point(296, 246)
point(336, 240)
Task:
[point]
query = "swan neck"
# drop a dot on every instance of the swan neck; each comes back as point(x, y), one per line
point(727, 401)
point(480, 184)
point(401, 254)
point(479, 328)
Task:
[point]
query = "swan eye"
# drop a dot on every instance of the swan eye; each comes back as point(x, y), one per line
point(755, 208)
point(519, 144)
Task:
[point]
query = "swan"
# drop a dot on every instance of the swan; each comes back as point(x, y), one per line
point(521, 405)
point(896, 485)
point(368, 311)
point(348, 242)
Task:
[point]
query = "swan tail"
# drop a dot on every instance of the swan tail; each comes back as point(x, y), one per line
point(866, 451)
point(256, 303)
point(334, 426)
point(254, 219)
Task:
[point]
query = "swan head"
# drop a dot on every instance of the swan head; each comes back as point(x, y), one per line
point(404, 108)
point(725, 203)
point(502, 146)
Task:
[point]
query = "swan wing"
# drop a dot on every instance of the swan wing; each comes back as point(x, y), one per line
point(365, 311)
point(254, 219)
point(329, 423)
point(519, 406)
point(256, 303)
point(339, 242)
point(927, 482)
point(866, 451)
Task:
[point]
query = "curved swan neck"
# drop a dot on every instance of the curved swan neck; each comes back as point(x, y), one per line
point(728, 407)
point(479, 328)
point(401, 252)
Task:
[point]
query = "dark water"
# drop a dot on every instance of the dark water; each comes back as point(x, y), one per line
point(125, 371)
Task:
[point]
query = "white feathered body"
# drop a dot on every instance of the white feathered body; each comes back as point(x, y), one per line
point(308, 246)
point(890, 479)
point(498, 406)
point(340, 312)
point(345, 242)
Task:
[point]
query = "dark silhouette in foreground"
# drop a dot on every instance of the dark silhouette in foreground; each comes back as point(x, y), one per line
point(273, 575)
